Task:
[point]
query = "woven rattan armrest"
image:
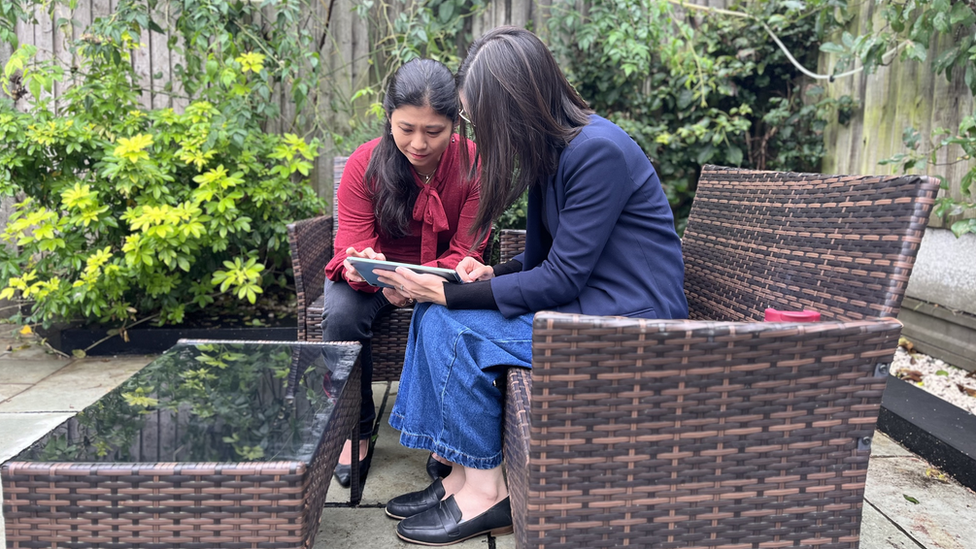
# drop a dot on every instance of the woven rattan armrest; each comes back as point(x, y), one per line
point(667, 433)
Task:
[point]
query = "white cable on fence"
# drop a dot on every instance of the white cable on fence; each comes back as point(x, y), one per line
point(884, 58)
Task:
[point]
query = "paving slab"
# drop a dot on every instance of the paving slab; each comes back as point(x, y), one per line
point(18, 431)
point(27, 351)
point(20, 347)
point(75, 386)
point(9, 390)
point(29, 371)
point(934, 522)
point(884, 446)
point(877, 532)
point(9, 332)
point(395, 469)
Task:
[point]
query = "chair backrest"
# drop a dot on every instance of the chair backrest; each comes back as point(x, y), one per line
point(338, 165)
point(840, 245)
point(722, 431)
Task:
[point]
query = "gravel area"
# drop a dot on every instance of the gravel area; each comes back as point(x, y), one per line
point(935, 376)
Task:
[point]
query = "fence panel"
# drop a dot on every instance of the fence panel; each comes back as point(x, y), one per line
point(346, 41)
point(888, 101)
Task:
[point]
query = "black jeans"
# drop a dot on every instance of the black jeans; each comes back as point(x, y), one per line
point(348, 316)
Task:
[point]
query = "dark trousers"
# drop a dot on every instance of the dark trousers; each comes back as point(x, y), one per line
point(349, 316)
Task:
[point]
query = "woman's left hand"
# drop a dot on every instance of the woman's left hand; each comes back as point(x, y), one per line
point(396, 298)
point(423, 288)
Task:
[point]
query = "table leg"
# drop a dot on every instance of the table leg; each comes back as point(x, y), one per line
point(355, 489)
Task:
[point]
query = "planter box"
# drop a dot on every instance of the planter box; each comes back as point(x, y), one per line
point(938, 431)
point(149, 340)
point(940, 332)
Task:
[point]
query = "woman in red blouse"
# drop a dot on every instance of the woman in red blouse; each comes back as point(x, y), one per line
point(403, 197)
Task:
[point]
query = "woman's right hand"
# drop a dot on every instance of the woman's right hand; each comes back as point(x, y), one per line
point(470, 269)
point(350, 272)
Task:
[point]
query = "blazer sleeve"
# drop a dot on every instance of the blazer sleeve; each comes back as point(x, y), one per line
point(596, 186)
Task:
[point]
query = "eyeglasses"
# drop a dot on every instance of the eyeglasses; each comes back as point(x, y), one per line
point(465, 117)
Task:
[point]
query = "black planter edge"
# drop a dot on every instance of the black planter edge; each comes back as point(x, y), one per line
point(150, 341)
point(938, 431)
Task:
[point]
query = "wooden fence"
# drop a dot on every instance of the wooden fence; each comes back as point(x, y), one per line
point(345, 50)
point(891, 99)
point(346, 46)
point(887, 101)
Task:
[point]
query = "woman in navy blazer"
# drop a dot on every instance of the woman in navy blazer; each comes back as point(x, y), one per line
point(600, 240)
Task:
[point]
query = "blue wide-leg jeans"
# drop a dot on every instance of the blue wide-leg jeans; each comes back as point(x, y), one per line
point(447, 401)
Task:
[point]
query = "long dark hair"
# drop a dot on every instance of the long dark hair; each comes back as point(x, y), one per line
point(418, 83)
point(524, 113)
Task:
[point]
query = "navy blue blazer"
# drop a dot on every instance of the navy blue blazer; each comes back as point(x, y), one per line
point(600, 238)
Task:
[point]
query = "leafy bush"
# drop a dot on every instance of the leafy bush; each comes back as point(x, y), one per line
point(128, 213)
point(694, 91)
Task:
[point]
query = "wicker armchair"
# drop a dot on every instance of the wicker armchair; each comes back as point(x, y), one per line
point(310, 241)
point(723, 431)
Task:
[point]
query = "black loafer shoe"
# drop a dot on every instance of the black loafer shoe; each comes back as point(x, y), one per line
point(410, 504)
point(442, 525)
point(436, 469)
point(343, 473)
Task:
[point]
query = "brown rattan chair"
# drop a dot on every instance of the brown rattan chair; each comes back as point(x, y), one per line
point(723, 431)
point(310, 241)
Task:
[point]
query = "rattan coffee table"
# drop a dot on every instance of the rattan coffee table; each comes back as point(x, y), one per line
point(213, 444)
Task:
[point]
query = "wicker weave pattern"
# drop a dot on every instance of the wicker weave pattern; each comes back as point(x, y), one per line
point(179, 505)
point(170, 504)
point(719, 432)
point(310, 243)
point(841, 245)
point(701, 434)
point(511, 243)
point(344, 425)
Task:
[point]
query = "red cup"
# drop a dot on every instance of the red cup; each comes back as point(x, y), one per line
point(774, 315)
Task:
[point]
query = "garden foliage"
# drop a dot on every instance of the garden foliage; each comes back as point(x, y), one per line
point(126, 213)
point(696, 88)
point(908, 30)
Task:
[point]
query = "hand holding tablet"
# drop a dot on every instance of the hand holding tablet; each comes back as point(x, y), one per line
point(370, 269)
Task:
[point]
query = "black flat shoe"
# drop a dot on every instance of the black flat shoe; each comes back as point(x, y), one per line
point(410, 504)
point(343, 473)
point(442, 525)
point(436, 469)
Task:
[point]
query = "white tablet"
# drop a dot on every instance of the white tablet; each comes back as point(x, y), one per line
point(369, 269)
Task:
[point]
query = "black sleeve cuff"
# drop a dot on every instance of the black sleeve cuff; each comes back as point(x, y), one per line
point(473, 295)
point(511, 266)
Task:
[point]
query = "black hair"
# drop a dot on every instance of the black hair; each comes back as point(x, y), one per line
point(524, 114)
point(417, 83)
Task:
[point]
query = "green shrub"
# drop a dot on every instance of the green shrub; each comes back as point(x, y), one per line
point(127, 213)
point(694, 90)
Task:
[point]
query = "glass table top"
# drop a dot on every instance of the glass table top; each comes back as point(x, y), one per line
point(203, 401)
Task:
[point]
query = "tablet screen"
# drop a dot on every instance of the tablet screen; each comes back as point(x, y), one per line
point(369, 269)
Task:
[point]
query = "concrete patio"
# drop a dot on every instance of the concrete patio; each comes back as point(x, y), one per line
point(39, 390)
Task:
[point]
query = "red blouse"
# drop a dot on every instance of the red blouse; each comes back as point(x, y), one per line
point(442, 216)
